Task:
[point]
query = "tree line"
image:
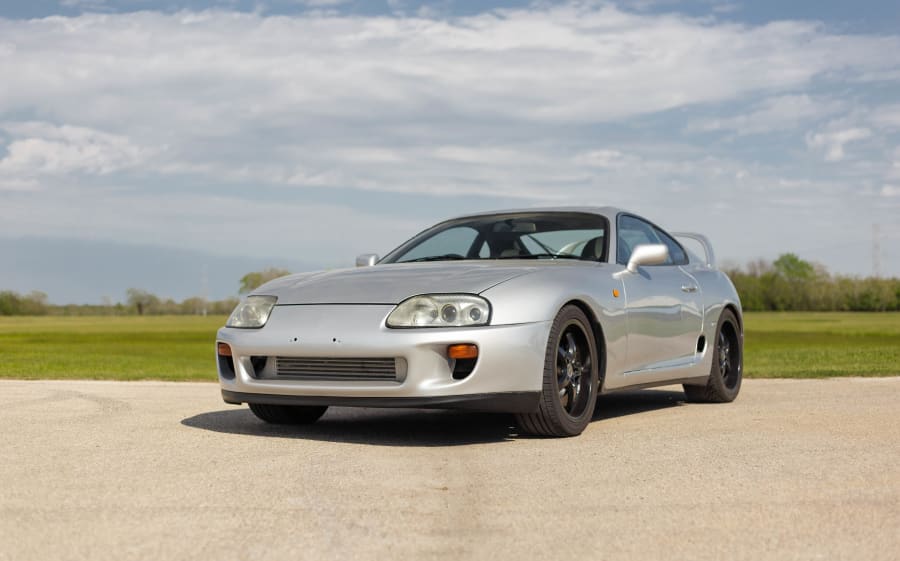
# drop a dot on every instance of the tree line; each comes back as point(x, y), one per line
point(137, 302)
point(792, 284)
point(787, 284)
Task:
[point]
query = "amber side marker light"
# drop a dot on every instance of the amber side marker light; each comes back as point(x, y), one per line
point(462, 351)
point(224, 349)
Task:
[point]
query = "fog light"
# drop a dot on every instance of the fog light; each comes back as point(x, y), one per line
point(226, 361)
point(459, 352)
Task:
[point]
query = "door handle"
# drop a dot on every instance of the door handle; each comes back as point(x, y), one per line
point(689, 288)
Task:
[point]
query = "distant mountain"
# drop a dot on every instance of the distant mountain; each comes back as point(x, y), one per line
point(87, 272)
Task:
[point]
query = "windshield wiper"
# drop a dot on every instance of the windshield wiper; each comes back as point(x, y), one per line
point(539, 255)
point(445, 257)
point(543, 246)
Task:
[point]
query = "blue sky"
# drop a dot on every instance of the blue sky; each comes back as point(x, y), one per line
point(309, 131)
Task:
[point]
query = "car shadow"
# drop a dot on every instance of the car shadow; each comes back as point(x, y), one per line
point(620, 404)
point(416, 427)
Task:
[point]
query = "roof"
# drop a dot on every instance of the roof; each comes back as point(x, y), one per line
point(608, 211)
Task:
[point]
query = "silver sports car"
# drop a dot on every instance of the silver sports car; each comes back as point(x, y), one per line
point(533, 312)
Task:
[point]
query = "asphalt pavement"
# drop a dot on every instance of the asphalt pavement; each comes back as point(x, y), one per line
point(794, 469)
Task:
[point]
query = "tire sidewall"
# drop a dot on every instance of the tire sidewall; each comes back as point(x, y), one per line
point(567, 316)
point(715, 374)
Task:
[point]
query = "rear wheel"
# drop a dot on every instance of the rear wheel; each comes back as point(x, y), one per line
point(571, 378)
point(287, 414)
point(727, 368)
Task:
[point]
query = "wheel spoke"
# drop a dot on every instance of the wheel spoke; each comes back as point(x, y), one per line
point(572, 346)
point(729, 360)
point(572, 392)
point(586, 365)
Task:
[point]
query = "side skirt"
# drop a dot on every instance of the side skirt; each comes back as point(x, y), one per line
point(693, 381)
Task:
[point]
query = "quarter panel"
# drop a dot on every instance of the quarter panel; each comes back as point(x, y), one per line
point(717, 292)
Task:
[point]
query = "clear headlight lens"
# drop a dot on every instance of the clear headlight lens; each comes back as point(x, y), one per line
point(441, 310)
point(253, 312)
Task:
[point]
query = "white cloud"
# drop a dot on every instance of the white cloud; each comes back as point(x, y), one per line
point(486, 155)
point(886, 117)
point(550, 103)
point(601, 158)
point(832, 143)
point(186, 220)
point(79, 3)
point(322, 3)
point(725, 7)
point(772, 114)
point(563, 63)
point(319, 100)
point(18, 184)
point(42, 151)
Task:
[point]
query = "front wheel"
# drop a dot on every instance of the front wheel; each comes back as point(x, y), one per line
point(288, 414)
point(727, 368)
point(571, 378)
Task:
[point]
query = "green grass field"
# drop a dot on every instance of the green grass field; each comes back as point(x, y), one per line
point(821, 344)
point(790, 345)
point(112, 348)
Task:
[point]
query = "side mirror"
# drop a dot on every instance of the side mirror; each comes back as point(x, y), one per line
point(366, 259)
point(647, 254)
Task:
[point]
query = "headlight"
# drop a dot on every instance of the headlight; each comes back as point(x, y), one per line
point(253, 312)
point(441, 310)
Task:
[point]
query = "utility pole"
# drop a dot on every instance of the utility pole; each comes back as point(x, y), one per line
point(205, 282)
point(876, 250)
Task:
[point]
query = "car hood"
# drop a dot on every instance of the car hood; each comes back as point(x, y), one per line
point(389, 284)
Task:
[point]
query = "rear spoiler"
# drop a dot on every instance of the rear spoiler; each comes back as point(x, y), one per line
point(703, 241)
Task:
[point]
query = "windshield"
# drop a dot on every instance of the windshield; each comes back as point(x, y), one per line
point(535, 235)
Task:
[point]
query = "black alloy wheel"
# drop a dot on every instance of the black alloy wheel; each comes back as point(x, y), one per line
point(571, 378)
point(573, 369)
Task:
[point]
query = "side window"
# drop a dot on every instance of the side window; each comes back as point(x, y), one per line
point(632, 232)
point(676, 253)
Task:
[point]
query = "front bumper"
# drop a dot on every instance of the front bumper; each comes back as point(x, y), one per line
point(508, 375)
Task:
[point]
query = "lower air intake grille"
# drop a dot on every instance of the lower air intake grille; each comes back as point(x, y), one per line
point(336, 369)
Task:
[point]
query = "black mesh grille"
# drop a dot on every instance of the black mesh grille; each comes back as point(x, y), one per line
point(351, 369)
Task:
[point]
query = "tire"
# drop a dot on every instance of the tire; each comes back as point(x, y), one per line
point(727, 369)
point(571, 378)
point(287, 414)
